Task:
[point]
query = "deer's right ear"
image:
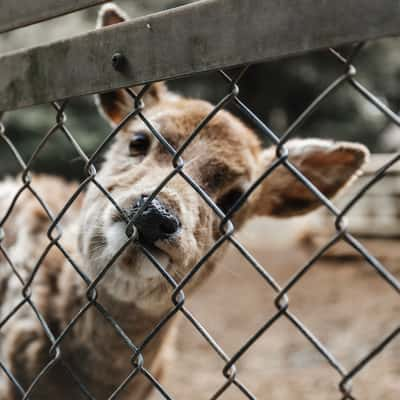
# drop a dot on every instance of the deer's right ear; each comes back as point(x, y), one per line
point(115, 105)
point(110, 14)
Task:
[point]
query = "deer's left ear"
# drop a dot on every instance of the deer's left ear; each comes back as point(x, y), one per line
point(328, 165)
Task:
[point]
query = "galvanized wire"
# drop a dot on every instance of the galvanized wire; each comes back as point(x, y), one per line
point(229, 372)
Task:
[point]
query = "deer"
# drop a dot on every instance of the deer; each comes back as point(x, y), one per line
point(177, 226)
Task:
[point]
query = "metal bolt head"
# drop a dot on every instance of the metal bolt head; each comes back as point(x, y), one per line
point(118, 61)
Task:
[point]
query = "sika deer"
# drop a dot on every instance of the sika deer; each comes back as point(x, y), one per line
point(177, 226)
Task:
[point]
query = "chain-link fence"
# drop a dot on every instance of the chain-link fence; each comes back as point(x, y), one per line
point(59, 359)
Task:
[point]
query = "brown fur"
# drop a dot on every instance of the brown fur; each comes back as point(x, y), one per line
point(224, 158)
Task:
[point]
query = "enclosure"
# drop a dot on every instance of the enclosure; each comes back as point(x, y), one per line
point(301, 309)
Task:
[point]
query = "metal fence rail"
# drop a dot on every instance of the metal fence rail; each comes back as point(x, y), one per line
point(274, 40)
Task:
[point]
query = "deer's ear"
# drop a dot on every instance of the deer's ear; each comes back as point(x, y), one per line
point(329, 166)
point(110, 14)
point(115, 105)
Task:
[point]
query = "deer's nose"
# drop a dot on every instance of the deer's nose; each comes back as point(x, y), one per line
point(156, 221)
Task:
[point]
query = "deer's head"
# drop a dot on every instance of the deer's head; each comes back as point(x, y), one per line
point(178, 226)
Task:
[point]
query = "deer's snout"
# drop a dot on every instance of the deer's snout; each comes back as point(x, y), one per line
point(156, 222)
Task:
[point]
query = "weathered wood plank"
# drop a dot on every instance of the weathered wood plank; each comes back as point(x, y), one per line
point(202, 36)
point(18, 13)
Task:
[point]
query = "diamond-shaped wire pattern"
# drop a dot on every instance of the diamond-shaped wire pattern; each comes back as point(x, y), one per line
point(232, 378)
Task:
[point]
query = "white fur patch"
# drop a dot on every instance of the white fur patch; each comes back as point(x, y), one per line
point(116, 236)
point(130, 282)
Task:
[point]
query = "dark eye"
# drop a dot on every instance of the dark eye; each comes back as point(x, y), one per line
point(139, 144)
point(228, 200)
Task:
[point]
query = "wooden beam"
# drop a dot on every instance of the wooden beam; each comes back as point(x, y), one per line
point(202, 36)
point(18, 13)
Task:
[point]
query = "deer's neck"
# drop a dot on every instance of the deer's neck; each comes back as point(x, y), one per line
point(105, 340)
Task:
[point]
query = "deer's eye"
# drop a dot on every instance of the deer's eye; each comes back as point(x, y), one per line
point(228, 200)
point(139, 144)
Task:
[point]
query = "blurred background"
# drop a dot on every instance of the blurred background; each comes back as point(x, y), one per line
point(277, 91)
point(338, 299)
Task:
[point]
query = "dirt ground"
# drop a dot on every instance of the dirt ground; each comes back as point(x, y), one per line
point(347, 306)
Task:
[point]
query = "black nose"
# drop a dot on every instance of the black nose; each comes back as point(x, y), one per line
point(155, 222)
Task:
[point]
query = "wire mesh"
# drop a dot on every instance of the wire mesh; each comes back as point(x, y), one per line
point(227, 229)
